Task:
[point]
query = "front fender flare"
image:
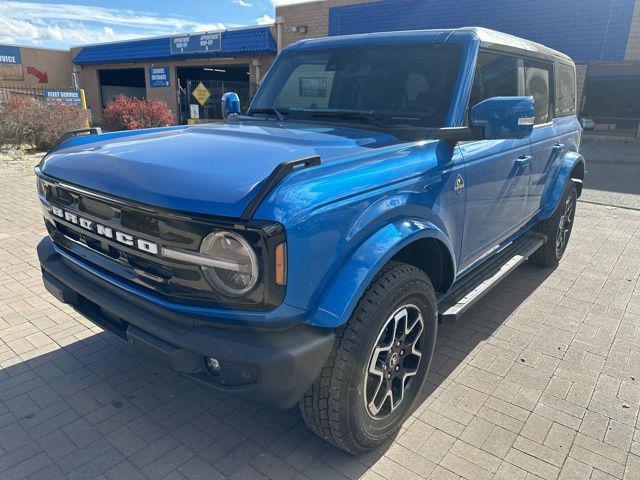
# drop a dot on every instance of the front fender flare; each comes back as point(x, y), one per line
point(342, 295)
point(553, 195)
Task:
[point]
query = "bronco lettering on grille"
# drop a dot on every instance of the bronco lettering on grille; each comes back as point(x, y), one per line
point(105, 231)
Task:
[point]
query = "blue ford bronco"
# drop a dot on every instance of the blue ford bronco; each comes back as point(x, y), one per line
point(305, 251)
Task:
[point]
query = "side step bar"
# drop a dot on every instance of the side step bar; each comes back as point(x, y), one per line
point(473, 286)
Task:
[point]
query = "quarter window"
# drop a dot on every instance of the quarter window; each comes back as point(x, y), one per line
point(565, 90)
point(537, 77)
point(496, 76)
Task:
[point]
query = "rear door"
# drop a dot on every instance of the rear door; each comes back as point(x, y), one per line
point(545, 140)
point(559, 133)
point(497, 171)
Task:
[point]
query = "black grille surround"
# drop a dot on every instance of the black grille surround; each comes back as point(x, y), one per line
point(165, 278)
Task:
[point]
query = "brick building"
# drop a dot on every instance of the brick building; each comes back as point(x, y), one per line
point(27, 66)
point(602, 36)
point(171, 68)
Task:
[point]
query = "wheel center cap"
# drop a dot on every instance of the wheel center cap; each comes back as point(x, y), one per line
point(393, 360)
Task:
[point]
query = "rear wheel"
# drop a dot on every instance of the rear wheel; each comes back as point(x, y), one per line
point(557, 228)
point(378, 364)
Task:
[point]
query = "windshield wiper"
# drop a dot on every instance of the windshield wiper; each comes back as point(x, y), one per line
point(272, 110)
point(366, 117)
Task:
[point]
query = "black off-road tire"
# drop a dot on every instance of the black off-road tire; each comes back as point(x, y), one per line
point(549, 254)
point(335, 407)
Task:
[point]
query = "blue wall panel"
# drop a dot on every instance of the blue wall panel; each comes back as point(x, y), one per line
point(586, 30)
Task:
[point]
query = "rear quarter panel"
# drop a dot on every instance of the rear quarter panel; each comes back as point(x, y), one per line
point(567, 132)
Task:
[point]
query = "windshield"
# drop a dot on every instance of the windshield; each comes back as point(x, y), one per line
point(381, 85)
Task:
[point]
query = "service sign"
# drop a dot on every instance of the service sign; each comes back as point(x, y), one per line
point(199, 43)
point(159, 77)
point(66, 97)
point(10, 63)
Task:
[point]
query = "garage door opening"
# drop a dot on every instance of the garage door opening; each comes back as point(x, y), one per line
point(200, 89)
point(611, 100)
point(125, 81)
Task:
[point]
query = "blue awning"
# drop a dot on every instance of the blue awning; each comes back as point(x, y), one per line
point(244, 42)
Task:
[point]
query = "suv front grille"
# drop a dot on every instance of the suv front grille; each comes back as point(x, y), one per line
point(169, 279)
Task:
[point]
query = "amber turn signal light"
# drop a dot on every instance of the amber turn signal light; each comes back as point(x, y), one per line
point(281, 264)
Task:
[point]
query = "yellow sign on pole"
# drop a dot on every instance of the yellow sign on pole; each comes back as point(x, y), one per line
point(201, 94)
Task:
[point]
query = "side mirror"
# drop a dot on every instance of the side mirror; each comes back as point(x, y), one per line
point(504, 117)
point(230, 104)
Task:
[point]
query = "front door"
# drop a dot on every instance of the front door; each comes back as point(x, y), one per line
point(496, 180)
point(497, 172)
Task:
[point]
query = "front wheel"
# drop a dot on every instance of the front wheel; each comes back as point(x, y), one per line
point(557, 228)
point(378, 364)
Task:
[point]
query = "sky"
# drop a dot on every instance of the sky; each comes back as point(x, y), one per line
point(66, 23)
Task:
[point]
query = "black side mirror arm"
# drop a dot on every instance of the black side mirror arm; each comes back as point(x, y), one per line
point(454, 135)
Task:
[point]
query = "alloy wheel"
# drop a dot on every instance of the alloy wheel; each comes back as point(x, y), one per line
point(564, 227)
point(394, 361)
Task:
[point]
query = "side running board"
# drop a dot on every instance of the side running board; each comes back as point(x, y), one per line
point(473, 286)
point(269, 183)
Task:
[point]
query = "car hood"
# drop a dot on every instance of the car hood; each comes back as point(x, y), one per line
point(211, 169)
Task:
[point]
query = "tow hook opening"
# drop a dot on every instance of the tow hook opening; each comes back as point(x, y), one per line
point(229, 374)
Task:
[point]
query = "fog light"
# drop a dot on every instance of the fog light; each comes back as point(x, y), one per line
point(213, 364)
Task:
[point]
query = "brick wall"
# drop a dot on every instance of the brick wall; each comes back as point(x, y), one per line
point(88, 78)
point(55, 63)
point(587, 30)
point(313, 15)
point(633, 43)
point(581, 73)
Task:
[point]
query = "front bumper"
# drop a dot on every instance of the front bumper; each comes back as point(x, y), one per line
point(274, 367)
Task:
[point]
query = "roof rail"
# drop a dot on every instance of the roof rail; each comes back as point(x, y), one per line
point(269, 183)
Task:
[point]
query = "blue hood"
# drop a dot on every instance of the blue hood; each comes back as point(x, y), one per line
point(212, 169)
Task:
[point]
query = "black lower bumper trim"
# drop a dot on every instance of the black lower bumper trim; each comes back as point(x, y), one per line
point(272, 367)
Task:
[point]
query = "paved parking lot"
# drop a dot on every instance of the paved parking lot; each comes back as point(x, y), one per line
point(540, 380)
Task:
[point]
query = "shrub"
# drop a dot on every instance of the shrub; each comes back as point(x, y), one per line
point(26, 121)
point(127, 113)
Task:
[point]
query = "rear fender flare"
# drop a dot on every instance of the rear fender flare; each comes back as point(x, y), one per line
point(570, 164)
point(343, 293)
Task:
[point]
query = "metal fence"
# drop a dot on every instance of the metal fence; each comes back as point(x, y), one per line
point(9, 91)
point(212, 109)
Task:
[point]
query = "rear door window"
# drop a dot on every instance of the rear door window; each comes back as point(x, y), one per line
point(565, 90)
point(537, 85)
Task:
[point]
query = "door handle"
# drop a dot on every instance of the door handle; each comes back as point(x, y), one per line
point(524, 160)
point(558, 146)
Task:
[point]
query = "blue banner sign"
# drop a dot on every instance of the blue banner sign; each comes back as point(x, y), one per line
point(10, 55)
point(10, 63)
point(199, 43)
point(159, 77)
point(66, 97)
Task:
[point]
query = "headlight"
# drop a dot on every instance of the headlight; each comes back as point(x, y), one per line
point(238, 270)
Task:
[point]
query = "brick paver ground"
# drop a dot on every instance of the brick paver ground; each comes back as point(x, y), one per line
point(540, 380)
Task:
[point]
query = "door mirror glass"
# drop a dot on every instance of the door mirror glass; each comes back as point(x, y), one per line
point(504, 117)
point(230, 104)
